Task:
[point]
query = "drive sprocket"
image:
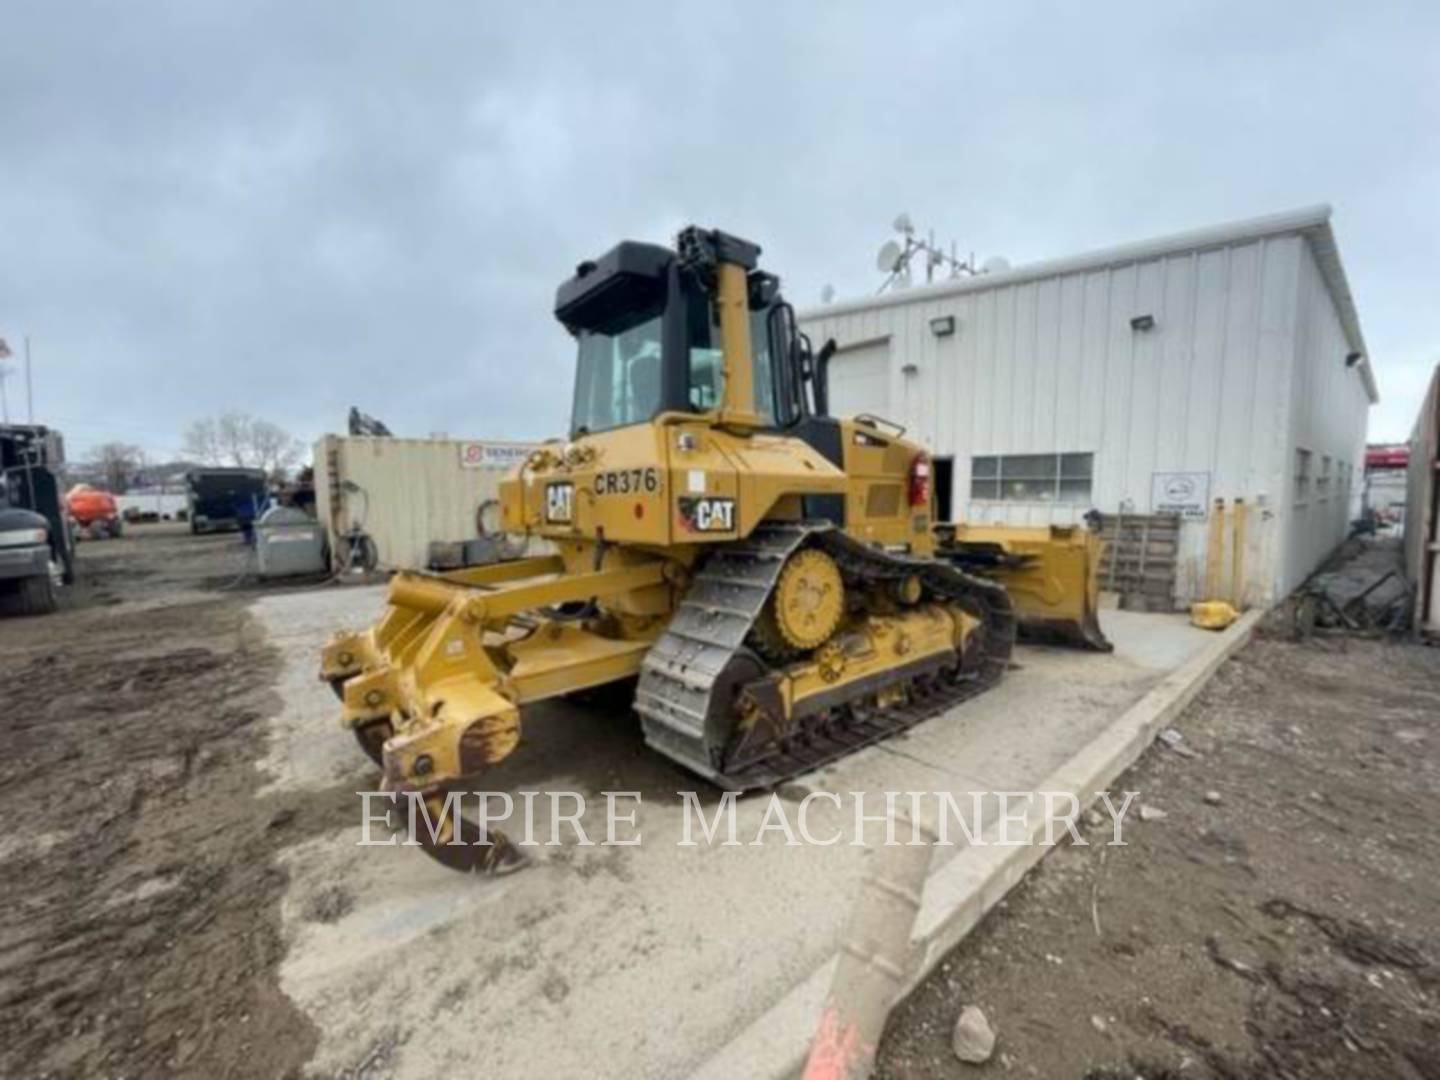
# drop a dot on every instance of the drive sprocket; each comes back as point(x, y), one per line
point(804, 610)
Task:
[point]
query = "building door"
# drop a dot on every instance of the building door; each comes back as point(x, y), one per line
point(860, 380)
point(944, 473)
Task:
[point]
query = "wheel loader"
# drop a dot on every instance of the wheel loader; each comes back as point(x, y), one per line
point(767, 577)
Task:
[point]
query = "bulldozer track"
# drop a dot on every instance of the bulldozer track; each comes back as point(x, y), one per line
point(686, 689)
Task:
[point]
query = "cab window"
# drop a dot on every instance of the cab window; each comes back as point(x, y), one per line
point(706, 366)
point(762, 368)
point(618, 375)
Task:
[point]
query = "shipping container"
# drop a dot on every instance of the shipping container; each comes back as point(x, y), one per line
point(406, 494)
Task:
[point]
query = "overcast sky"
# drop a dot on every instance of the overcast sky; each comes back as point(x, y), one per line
point(289, 208)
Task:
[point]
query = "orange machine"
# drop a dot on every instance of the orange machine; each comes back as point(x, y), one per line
point(93, 510)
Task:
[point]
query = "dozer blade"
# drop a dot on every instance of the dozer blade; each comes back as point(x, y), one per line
point(1051, 573)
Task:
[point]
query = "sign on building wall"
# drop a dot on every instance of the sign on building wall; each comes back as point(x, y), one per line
point(1183, 493)
point(478, 455)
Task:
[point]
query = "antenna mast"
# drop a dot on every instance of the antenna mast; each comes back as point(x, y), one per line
point(896, 258)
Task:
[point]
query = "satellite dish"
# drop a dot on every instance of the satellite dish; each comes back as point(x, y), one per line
point(827, 294)
point(995, 264)
point(902, 224)
point(889, 258)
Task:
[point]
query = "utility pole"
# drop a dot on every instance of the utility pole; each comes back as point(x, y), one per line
point(29, 386)
point(4, 374)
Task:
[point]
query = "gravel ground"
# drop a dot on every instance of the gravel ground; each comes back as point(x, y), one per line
point(1279, 919)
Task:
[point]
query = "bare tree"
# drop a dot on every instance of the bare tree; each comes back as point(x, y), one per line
point(243, 441)
point(118, 463)
point(276, 450)
point(202, 443)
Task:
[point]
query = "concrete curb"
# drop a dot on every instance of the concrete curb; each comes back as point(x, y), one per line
point(958, 895)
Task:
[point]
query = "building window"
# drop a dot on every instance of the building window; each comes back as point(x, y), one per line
point(1302, 475)
point(1322, 485)
point(1064, 478)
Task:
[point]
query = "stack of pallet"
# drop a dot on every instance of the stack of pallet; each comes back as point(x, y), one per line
point(1141, 551)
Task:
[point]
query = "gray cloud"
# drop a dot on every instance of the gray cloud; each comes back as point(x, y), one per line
point(291, 208)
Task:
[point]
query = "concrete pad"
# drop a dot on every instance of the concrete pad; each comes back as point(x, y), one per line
point(637, 960)
point(303, 753)
point(959, 892)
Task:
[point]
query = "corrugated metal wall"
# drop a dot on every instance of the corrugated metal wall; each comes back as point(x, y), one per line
point(410, 492)
point(1422, 512)
point(1327, 419)
point(1052, 365)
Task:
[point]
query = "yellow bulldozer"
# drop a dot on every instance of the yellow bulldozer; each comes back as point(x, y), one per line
point(768, 578)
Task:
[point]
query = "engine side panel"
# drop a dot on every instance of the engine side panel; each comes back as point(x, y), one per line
point(668, 484)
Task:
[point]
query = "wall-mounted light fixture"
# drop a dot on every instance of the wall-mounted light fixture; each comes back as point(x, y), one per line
point(1143, 322)
point(942, 325)
point(909, 369)
point(1352, 359)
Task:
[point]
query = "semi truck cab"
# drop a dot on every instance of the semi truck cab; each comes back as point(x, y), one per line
point(36, 551)
point(25, 560)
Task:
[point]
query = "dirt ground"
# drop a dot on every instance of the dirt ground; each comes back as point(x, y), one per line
point(1283, 926)
point(137, 875)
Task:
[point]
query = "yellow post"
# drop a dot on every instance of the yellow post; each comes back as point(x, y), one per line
point(1215, 553)
point(1215, 613)
point(1237, 555)
point(733, 299)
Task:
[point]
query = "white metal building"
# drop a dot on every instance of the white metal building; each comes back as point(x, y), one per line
point(1222, 363)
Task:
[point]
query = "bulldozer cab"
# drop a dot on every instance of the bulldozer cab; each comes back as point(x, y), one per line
point(698, 331)
point(694, 415)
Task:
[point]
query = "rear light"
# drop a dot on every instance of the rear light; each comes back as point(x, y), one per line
point(920, 481)
point(22, 537)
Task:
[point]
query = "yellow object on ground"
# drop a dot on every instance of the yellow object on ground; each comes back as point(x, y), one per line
point(1212, 614)
point(1216, 613)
